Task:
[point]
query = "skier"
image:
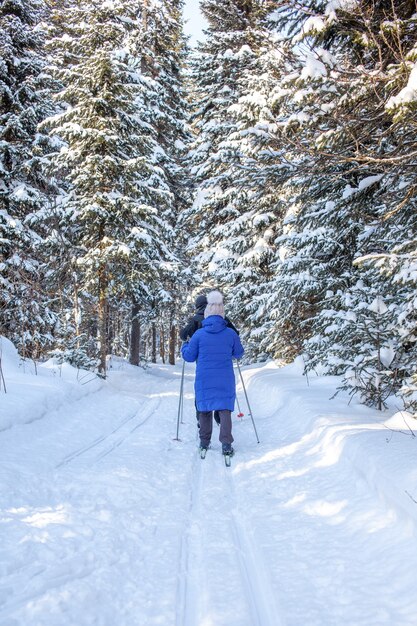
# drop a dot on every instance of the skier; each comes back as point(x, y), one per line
point(193, 324)
point(213, 347)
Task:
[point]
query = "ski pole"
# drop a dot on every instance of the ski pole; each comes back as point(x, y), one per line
point(240, 414)
point(247, 401)
point(180, 403)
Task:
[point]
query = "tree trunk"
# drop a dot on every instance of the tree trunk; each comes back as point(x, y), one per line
point(379, 369)
point(102, 310)
point(144, 61)
point(172, 344)
point(110, 330)
point(135, 336)
point(77, 316)
point(145, 15)
point(162, 344)
point(153, 342)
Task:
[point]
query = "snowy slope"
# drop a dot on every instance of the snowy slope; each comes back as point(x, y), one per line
point(105, 519)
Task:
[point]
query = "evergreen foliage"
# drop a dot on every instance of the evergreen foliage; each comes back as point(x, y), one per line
point(235, 210)
point(344, 106)
point(118, 212)
point(295, 194)
point(25, 311)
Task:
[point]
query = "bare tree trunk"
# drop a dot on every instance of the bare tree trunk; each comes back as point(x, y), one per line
point(162, 344)
point(135, 336)
point(145, 15)
point(379, 369)
point(144, 61)
point(102, 310)
point(76, 309)
point(153, 342)
point(172, 343)
point(110, 330)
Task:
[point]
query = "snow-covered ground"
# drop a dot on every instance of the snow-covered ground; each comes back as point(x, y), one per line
point(106, 520)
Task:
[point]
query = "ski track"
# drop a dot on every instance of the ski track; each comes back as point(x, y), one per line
point(264, 609)
point(105, 438)
point(189, 579)
point(213, 502)
point(154, 405)
point(38, 581)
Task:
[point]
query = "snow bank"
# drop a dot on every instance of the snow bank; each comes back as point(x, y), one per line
point(8, 354)
point(34, 389)
point(378, 447)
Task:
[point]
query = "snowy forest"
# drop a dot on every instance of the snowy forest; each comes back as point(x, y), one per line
point(276, 161)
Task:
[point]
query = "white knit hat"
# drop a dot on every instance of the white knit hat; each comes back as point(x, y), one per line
point(215, 304)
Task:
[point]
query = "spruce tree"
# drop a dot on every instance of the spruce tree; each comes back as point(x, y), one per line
point(25, 308)
point(339, 116)
point(118, 235)
point(161, 48)
point(233, 218)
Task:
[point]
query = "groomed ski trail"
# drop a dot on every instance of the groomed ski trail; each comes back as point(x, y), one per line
point(122, 431)
point(263, 598)
point(218, 558)
point(83, 519)
point(105, 519)
point(190, 582)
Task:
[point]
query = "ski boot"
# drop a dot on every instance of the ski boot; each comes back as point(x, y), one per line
point(228, 452)
point(203, 450)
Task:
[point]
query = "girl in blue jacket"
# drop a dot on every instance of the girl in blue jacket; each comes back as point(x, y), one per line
point(213, 347)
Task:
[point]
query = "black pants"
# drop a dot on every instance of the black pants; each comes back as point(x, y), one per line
point(206, 427)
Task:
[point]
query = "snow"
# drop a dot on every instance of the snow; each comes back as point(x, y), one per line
point(313, 68)
point(387, 355)
point(200, 198)
point(378, 306)
point(243, 51)
point(229, 54)
point(327, 57)
point(312, 25)
point(408, 94)
point(368, 181)
point(8, 354)
point(363, 184)
point(23, 193)
point(334, 5)
point(106, 519)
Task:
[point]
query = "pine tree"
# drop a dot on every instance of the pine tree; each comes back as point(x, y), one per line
point(233, 218)
point(339, 116)
point(260, 176)
point(162, 51)
point(117, 235)
point(27, 317)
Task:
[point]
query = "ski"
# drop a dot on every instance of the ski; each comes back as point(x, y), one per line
point(228, 457)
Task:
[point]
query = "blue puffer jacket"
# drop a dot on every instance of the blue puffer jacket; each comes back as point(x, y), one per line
point(213, 347)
